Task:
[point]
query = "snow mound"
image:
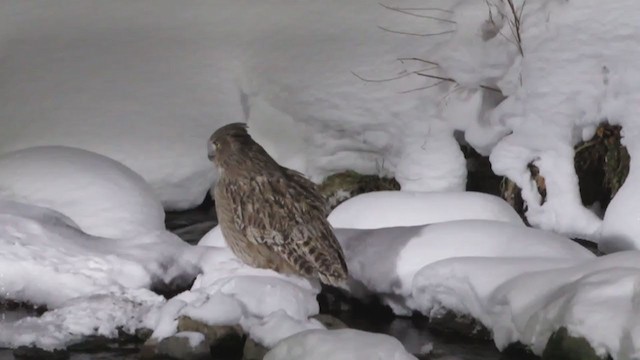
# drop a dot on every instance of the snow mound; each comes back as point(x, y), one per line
point(78, 264)
point(102, 196)
point(594, 299)
point(92, 286)
point(527, 299)
point(104, 314)
point(268, 306)
point(386, 261)
point(213, 238)
point(383, 209)
point(343, 344)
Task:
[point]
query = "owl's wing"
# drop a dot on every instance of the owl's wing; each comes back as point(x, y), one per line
point(287, 215)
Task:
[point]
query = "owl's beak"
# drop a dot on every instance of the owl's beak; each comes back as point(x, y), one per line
point(211, 151)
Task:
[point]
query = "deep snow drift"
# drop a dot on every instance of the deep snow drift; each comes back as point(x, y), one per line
point(103, 197)
point(146, 83)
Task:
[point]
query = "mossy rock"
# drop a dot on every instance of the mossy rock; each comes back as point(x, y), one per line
point(563, 346)
point(339, 187)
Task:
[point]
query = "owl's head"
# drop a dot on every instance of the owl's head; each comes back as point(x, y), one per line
point(228, 142)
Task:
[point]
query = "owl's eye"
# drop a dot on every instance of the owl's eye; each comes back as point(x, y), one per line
point(216, 144)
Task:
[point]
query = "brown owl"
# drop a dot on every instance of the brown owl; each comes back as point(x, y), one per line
point(271, 217)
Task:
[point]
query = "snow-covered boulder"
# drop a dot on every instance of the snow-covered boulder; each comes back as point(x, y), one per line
point(596, 300)
point(90, 285)
point(343, 344)
point(268, 306)
point(387, 260)
point(383, 209)
point(102, 196)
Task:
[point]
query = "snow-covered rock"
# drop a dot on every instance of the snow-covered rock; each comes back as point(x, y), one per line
point(527, 299)
point(386, 260)
point(77, 264)
point(268, 306)
point(91, 285)
point(383, 209)
point(103, 197)
point(343, 344)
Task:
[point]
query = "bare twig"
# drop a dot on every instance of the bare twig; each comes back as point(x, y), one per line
point(423, 88)
point(454, 81)
point(408, 12)
point(424, 9)
point(392, 78)
point(415, 34)
point(418, 59)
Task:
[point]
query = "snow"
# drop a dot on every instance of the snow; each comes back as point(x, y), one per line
point(213, 238)
point(387, 260)
point(99, 314)
point(147, 88)
point(195, 338)
point(103, 197)
point(93, 286)
point(343, 344)
point(146, 83)
point(268, 306)
point(405, 208)
point(526, 299)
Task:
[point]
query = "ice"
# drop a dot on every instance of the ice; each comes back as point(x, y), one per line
point(103, 197)
point(405, 208)
point(340, 344)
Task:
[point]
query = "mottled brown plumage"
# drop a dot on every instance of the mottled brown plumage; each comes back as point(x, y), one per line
point(271, 217)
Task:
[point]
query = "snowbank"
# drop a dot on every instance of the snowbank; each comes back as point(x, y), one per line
point(386, 260)
point(404, 208)
point(91, 286)
point(147, 88)
point(565, 75)
point(344, 344)
point(102, 196)
point(527, 299)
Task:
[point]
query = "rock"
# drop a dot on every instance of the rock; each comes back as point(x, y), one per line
point(34, 353)
point(184, 346)
point(226, 342)
point(253, 351)
point(213, 333)
point(330, 322)
point(218, 342)
point(339, 187)
point(562, 346)
point(449, 322)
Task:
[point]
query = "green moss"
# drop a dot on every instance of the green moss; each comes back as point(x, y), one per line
point(563, 346)
point(339, 187)
point(602, 165)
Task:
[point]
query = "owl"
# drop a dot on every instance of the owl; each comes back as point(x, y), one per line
point(271, 216)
